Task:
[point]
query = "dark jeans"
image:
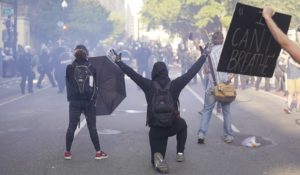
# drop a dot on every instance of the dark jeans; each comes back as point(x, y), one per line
point(50, 77)
point(29, 78)
point(75, 110)
point(267, 83)
point(158, 137)
point(60, 79)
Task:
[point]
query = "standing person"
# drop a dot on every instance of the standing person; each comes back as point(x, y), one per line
point(26, 64)
point(60, 60)
point(142, 58)
point(45, 67)
point(267, 83)
point(293, 85)
point(158, 135)
point(205, 81)
point(193, 53)
point(209, 100)
point(182, 57)
point(82, 94)
point(291, 47)
point(280, 72)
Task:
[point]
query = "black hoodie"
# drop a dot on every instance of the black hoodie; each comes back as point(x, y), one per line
point(160, 74)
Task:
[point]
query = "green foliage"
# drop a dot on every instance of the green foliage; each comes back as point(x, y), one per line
point(88, 20)
point(208, 12)
point(118, 22)
point(156, 12)
point(43, 17)
point(183, 16)
point(291, 7)
point(85, 20)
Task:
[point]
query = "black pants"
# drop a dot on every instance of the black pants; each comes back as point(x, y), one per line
point(75, 110)
point(158, 137)
point(60, 79)
point(50, 77)
point(29, 78)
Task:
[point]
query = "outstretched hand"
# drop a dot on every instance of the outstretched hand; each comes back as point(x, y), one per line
point(112, 54)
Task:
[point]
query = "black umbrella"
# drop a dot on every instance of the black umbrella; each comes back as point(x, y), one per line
point(111, 85)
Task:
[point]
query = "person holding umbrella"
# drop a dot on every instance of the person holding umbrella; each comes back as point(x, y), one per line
point(158, 135)
point(82, 94)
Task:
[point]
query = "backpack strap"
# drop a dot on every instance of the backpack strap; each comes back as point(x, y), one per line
point(158, 86)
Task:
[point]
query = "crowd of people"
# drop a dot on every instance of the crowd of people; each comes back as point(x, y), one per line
point(147, 64)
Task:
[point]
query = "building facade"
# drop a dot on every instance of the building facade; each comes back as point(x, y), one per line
point(23, 26)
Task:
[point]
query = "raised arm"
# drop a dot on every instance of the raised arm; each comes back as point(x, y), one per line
point(184, 79)
point(291, 47)
point(142, 82)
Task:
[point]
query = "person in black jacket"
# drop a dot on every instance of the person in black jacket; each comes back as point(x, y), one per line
point(158, 136)
point(26, 64)
point(45, 68)
point(81, 101)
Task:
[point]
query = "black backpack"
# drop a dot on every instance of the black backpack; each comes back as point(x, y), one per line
point(163, 106)
point(85, 81)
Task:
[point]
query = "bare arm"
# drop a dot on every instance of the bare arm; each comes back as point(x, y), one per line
point(291, 47)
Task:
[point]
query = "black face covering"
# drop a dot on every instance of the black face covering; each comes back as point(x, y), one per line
point(160, 72)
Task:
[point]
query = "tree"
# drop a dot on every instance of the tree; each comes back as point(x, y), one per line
point(118, 22)
point(290, 7)
point(81, 20)
point(88, 20)
point(182, 16)
point(44, 17)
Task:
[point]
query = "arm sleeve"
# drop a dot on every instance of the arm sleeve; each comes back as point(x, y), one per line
point(68, 70)
point(184, 79)
point(142, 82)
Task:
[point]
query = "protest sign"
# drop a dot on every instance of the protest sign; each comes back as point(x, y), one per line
point(249, 47)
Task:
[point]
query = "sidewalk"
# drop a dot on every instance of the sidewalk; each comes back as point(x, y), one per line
point(6, 80)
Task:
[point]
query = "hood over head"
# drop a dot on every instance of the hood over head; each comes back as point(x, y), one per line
point(160, 72)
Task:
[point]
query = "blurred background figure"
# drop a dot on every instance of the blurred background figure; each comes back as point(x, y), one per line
point(26, 65)
point(280, 73)
point(61, 58)
point(45, 67)
point(182, 57)
point(143, 54)
point(293, 85)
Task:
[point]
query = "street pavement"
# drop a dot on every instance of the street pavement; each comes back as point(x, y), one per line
point(33, 127)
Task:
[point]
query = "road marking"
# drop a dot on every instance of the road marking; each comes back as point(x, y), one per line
point(82, 124)
point(273, 95)
point(234, 128)
point(20, 97)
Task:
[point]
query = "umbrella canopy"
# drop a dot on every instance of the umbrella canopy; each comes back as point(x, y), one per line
point(111, 85)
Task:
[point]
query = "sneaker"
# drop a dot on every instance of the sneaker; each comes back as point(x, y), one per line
point(68, 155)
point(228, 139)
point(101, 155)
point(201, 138)
point(179, 157)
point(287, 110)
point(160, 164)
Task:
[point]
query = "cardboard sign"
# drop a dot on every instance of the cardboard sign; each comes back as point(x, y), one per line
point(250, 48)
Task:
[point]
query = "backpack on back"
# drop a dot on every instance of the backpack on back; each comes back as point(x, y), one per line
point(163, 106)
point(85, 81)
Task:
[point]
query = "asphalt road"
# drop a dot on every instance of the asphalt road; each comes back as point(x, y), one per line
point(33, 127)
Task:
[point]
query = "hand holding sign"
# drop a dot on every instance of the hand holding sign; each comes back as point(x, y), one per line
point(268, 12)
point(291, 47)
point(249, 48)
